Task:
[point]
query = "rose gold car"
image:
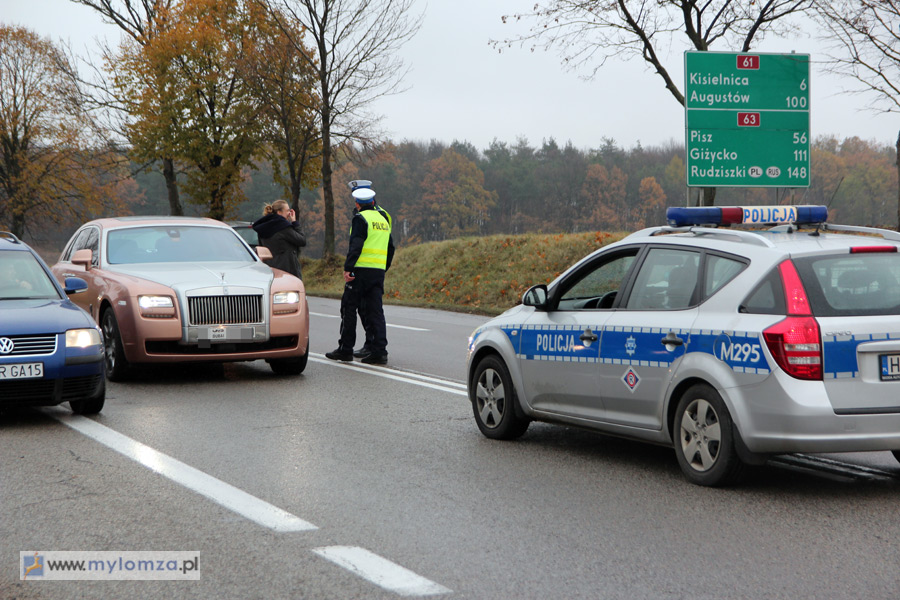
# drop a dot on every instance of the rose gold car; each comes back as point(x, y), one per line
point(183, 289)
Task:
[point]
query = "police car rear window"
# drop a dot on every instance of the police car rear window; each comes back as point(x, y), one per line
point(767, 298)
point(852, 284)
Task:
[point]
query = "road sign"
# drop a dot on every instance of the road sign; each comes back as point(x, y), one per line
point(747, 119)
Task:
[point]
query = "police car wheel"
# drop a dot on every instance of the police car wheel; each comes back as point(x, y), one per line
point(117, 367)
point(704, 438)
point(494, 401)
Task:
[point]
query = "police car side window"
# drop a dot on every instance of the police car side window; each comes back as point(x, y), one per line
point(767, 298)
point(598, 285)
point(666, 280)
point(719, 271)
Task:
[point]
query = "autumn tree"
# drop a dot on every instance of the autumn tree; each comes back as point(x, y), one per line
point(604, 194)
point(282, 74)
point(48, 168)
point(587, 33)
point(137, 19)
point(356, 43)
point(192, 101)
point(651, 209)
point(866, 48)
point(454, 201)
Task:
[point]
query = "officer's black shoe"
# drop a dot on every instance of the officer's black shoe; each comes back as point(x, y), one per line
point(340, 354)
point(362, 352)
point(375, 359)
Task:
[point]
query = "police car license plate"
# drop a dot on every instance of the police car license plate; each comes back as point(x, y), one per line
point(22, 371)
point(890, 367)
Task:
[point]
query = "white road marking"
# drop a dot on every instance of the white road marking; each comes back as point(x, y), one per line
point(381, 571)
point(315, 314)
point(216, 490)
point(450, 387)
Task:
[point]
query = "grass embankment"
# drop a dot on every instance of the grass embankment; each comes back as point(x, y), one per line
point(483, 275)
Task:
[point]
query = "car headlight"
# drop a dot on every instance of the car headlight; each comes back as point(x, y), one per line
point(82, 338)
point(286, 298)
point(156, 306)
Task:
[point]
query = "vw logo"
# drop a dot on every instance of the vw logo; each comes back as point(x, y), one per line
point(6, 345)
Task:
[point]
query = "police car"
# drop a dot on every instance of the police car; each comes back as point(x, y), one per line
point(730, 344)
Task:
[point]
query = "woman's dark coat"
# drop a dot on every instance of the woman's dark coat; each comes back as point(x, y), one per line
point(284, 239)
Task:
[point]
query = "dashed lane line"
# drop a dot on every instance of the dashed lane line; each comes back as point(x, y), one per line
point(380, 571)
point(224, 494)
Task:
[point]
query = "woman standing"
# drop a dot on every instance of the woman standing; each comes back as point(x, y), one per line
point(279, 231)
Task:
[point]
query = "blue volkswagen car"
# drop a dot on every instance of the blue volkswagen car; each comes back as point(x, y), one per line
point(51, 351)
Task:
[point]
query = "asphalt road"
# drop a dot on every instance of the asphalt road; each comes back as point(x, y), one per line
point(353, 481)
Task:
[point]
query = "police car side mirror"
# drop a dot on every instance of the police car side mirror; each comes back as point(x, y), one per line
point(536, 296)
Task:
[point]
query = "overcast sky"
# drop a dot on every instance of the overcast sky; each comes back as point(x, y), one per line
point(460, 88)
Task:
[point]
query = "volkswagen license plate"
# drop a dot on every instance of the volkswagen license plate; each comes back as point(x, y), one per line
point(890, 367)
point(22, 371)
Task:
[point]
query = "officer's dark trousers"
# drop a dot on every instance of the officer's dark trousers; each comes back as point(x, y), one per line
point(363, 295)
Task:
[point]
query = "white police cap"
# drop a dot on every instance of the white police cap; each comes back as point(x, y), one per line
point(360, 183)
point(363, 195)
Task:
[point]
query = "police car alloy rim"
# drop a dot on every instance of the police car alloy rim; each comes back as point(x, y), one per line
point(701, 435)
point(490, 397)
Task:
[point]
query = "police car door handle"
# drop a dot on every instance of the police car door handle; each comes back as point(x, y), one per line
point(588, 336)
point(672, 340)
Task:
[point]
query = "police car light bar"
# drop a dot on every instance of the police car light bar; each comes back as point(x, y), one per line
point(745, 215)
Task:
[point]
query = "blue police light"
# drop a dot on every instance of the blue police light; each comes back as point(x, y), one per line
point(746, 215)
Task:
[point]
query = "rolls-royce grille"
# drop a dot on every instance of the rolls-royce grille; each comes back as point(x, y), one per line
point(29, 345)
point(225, 310)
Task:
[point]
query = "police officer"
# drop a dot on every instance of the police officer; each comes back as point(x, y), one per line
point(369, 256)
point(367, 346)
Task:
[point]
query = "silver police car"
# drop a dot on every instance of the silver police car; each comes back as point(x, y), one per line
point(730, 344)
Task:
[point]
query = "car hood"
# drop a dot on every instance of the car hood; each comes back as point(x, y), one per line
point(189, 276)
point(30, 317)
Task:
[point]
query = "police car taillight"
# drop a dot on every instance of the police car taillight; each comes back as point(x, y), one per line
point(868, 249)
point(795, 342)
point(745, 215)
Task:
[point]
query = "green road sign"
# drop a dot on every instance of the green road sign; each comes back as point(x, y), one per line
point(747, 119)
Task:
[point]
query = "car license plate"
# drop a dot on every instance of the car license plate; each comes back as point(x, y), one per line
point(890, 367)
point(216, 334)
point(22, 371)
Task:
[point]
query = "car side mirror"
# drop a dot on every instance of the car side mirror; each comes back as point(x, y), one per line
point(263, 253)
point(536, 296)
point(75, 285)
point(83, 258)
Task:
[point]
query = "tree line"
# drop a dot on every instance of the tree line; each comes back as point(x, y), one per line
point(437, 191)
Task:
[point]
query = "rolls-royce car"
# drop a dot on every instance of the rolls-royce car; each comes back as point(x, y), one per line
point(50, 350)
point(185, 289)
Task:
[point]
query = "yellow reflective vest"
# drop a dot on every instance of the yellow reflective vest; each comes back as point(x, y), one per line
point(375, 248)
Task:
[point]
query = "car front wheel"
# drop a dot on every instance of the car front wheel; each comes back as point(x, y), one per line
point(704, 438)
point(116, 363)
point(92, 405)
point(494, 401)
point(290, 366)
